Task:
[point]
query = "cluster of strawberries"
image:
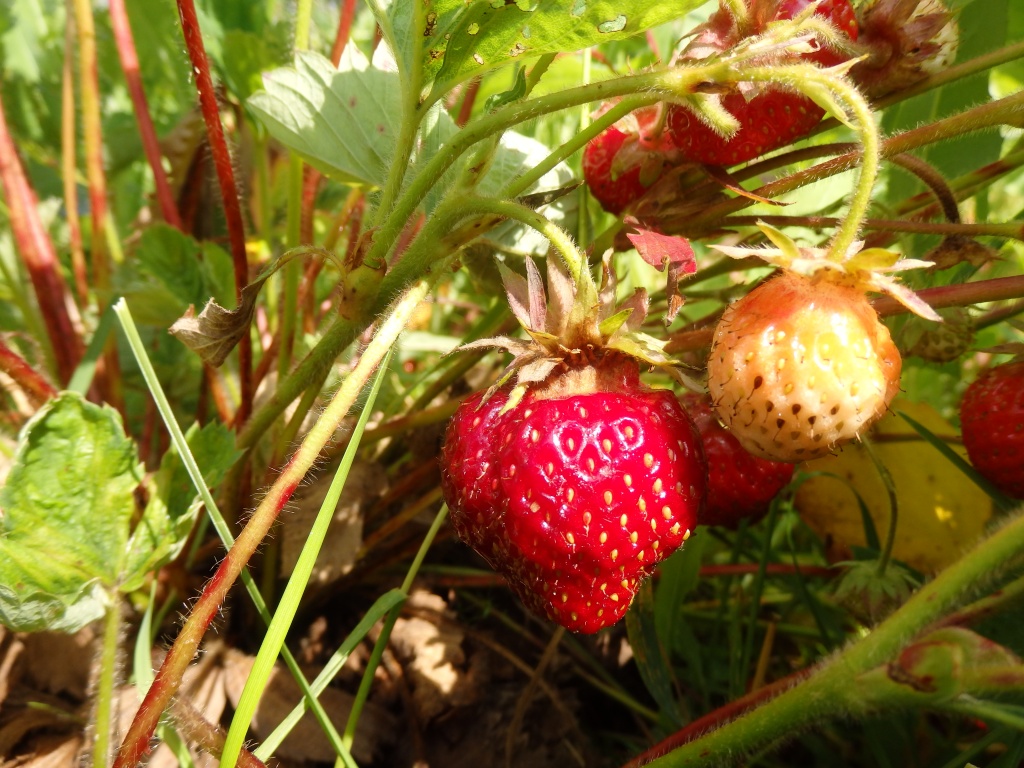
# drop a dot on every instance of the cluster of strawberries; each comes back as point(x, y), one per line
point(896, 42)
point(575, 480)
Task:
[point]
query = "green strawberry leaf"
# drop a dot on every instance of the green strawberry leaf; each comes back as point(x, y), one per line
point(67, 509)
point(466, 40)
point(342, 121)
point(191, 271)
point(174, 504)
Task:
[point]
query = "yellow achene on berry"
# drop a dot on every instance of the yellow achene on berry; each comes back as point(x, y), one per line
point(941, 512)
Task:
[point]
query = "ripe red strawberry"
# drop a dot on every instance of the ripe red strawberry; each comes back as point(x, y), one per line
point(471, 476)
point(740, 485)
point(578, 481)
point(992, 422)
point(771, 118)
point(625, 160)
point(800, 365)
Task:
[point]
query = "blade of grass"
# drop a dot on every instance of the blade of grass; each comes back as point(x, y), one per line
point(378, 610)
point(273, 641)
point(219, 523)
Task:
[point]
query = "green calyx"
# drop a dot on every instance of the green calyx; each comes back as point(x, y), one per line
point(573, 324)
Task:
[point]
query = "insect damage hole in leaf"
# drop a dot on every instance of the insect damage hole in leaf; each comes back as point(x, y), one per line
point(615, 25)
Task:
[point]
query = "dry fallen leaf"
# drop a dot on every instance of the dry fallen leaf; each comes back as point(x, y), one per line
point(58, 663)
point(431, 651)
point(306, 742)
point(48, 751)
point(366, 480)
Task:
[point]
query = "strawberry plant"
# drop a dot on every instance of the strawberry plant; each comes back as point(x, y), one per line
point(694, 321)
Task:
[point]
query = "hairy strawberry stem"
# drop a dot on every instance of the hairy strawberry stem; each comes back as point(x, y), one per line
point(226, 183)
point(215, 516)
point(827, 692)
point(519, 185)
point(106, 681)
point(169, 677)
point(825, 81)
point(560, 240)
point(659, 84)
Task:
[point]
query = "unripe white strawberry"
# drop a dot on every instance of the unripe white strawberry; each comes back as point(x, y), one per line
point(801, 364)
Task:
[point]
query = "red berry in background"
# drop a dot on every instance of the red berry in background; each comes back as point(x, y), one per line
point(624, 161)
point(598, 480)
point(773, 117)
point(740, 485)
point(992, 423)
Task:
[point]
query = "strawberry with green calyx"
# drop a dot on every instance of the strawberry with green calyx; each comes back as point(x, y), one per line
point(992, 423)
point(751, 119)
point(579, 479)
point(906, 41)
point(802, 363)
point(741, 486)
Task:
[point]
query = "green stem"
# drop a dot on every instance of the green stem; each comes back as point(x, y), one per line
point(303, 16)
point(105, 683)
point(985, 116)
point(799, 76)
point(517, 186)
point(984, 710)
point(382, 640)
point(574, 258)
point(828, 692)
point(291, 272)
point(660, 84)
point(411, 117)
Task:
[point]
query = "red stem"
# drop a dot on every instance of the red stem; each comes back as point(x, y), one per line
point(348, 14)
point(221, 155)
point(310, 183)
point(37, 251)
point(130, 65)
point(38, 389)
point(168, 678)
point(718, 717)
point(466, 109)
